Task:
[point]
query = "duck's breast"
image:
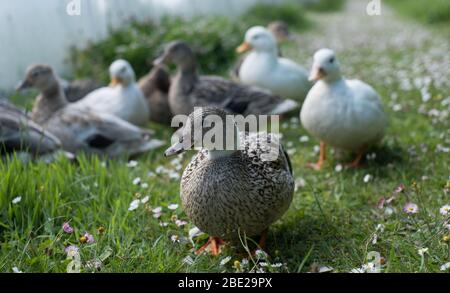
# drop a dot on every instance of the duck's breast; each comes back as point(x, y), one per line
point(343, 116)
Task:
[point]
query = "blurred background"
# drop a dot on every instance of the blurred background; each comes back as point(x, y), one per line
point(42, 31)
point(83, 45)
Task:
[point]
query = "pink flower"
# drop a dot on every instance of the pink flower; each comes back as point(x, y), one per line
point(411, 208)
point(71, 250)
point(89, 237)
point(67, 228)
point(400, 188)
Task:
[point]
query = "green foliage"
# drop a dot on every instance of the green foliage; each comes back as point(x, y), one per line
point(290, 12)
point(426, 11)
point(213, 38)
point(323, 5)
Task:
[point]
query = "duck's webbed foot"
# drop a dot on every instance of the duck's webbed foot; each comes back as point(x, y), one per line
point(318, 166)
point(213, 245)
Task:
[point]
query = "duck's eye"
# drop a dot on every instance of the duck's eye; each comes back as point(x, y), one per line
point(255, 37)
point(332, 60)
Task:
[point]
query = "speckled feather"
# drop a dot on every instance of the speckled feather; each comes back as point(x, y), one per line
point(239, 193)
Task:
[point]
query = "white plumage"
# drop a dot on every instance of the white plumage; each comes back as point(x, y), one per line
point(345, 114)
point(123, 98)
point(263, 68)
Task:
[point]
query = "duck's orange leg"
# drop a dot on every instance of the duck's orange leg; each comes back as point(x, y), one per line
point(357, 161)
point(214, 244)
point(322, 156)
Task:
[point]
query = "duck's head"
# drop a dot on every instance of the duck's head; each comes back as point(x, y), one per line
point(210, 128)
point(39, 76)
point(258, 38)
point(280, 30)
point(121, 72)
point(325, 66)
point(178, 53)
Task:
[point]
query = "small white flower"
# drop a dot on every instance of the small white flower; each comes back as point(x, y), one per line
point(180, 223)
point(422, 251)
point(145, 199)
point(300, 183)
point(134, 205)
point(388, 211)
point(304, 138)
point(132, 164)
point(375, 239)
point(225, 260)
point(445, 266)
point(379, 227)
point(263, 264)
point(160, 169)
point(173, 175)
point(151, 174)
point(137, 181)
point(16, 270)
point(276, 265)
point(194, 232)
point(338, 168)
point(357, 271)
point(188, 260)
point(175, 238)
point(16, 200)
point(445, 210)
point(144, 185)
point(163, 224)
point(325, 269)
point(316, 149)
point(172, 206)
point(157, 210)
point(367, 178)
point(261, 254)
point(156, 215)
point(94, 264)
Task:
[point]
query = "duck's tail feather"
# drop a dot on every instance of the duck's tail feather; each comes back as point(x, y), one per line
point(285, 107)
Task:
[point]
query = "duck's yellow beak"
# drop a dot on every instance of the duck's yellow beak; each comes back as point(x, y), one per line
point(115, 81)
point(244, 47)
point(316, 74)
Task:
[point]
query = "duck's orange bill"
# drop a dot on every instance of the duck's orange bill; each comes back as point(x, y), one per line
point(114, 81)
point(244, 47)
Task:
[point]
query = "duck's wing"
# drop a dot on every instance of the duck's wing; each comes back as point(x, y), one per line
point(240, 99)
point(78, 89)
point(100, 133)
point(19, 133)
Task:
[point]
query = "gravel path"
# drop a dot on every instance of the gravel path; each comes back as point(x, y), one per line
point(421, 57)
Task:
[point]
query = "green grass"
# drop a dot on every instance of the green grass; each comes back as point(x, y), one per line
point(331, 221)
point(425, 11)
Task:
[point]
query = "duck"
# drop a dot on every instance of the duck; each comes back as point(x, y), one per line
point(189, 89)
point(123, 98)
point(155, 87)
point(77, 89)
point(345, 114)
point(263, 68)
point(280, 30)
point(18, 133)
point(236, 191)
point(82, 130)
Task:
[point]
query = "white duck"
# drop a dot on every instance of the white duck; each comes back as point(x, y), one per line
point(122, 98)
point(264, 68)
point(346, 114)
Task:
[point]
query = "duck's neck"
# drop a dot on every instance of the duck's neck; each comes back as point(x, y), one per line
point(226, 153)
point(51, 100)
